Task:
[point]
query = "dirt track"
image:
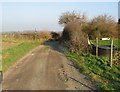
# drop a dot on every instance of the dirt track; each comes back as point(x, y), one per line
point(45, 69)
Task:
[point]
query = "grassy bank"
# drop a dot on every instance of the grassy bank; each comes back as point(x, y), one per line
point(11, 55)
point(99, 70)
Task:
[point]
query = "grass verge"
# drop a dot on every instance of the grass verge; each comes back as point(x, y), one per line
point(99, 70)
point(11, 55)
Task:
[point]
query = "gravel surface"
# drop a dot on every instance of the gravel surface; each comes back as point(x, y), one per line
point(45, 68)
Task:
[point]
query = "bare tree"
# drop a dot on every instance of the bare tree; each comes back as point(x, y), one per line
point(67, 17)
point(106, 25)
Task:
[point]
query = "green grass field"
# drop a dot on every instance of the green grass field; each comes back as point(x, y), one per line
point(12, 53)
point(99, 70)
point(108, 42)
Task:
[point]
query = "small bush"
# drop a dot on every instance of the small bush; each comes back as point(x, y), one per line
point(55, 36)
point(74, 38)
point(45, 35)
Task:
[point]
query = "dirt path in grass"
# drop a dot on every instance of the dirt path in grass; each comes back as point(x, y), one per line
point(45, 68)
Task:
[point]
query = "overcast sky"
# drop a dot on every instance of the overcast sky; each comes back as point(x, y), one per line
point(19, 16)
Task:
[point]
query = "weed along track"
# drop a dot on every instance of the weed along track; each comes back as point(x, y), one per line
point(45, 69)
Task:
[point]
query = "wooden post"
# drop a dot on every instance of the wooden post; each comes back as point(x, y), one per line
point(111, 52)
point(96, 46)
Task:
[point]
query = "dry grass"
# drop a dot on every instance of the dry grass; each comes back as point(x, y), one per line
point(6, 45)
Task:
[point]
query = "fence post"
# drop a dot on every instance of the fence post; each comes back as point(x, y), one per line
point(111, 52)
point(96, 46)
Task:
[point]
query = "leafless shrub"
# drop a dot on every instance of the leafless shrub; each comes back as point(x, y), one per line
point(74, 38)
point(45, 35)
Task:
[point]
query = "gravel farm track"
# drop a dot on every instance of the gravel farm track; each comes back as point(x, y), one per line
point(45, 68)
